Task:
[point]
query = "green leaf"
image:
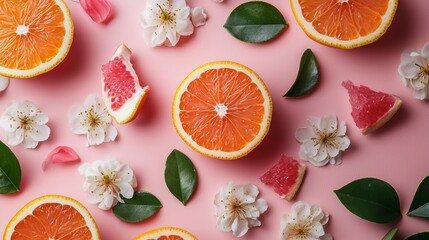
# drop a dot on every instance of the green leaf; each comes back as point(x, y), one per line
point(10, 171)
point(308, 75)
point(391, 234)
point(255, 22)
point(420, 205)
point(419, 236)
point(180, 176)
point(140, 207)
point(371, 199)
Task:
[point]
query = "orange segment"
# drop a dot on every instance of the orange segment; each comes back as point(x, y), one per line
point(222, 110)
point(167, 233)
point(344, 23)
point(35, 36)
point(52, 217)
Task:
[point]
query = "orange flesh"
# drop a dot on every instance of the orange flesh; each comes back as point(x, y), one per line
point(52, 221)
point(222, 87)
point(45, 22)
point(345, 20)
point(169, 237)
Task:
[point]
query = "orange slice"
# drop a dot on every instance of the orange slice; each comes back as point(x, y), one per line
point(344, 23)
point(222, 110)
point(35, 36)
point(167, 233)
point(52, 217)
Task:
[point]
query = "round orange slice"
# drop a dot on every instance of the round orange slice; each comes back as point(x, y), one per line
point(167, 233)
point(222, 109)
point(52, 217)
point(35, 36)
point(344, 23)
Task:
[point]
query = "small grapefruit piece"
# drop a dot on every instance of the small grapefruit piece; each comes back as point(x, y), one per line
point(371, 109)
point(222, 109)
point(121, 90)
point(35, 36)
point(344, 23)
point(167, 233)
point(52, 217)
point(286, 177)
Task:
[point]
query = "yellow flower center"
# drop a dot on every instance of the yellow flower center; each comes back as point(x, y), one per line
point(93, 119)
point(167, 17)
point(25, 122)
point(424, 73)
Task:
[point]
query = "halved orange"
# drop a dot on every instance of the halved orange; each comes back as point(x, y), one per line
point(35, 36)
point(167, 233)
point(52, 217)
point(344, 23)
point(222, 109)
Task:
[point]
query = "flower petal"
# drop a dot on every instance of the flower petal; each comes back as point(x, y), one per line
point(98, 10)
point(60, 154)
point(419, 83)
point(421, 94)
point(304, 134)
point(13, 139)
point(39, 133)
point(425, 51)
point(409, 70)
point(239, 227)
point(77, 121)
point(95, 136)
point(328, 124)
point(159, 37)
point(198, 16)
point(28, 142)
point(4, 83)
point(110, 133)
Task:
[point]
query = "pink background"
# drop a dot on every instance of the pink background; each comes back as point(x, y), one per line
point(397, 153)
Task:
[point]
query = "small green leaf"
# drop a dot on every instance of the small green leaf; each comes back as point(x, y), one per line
point(180, 176)
point(371, 199)
point(419, 236)
point(10, 171)
point(308, 75)
point(420, 205)
point(255, 22)
point(140, 207)
point(391, 234)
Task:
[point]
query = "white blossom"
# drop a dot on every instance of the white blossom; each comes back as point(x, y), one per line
point(322, 141)
point(304, 222)
point(414, 71)
point(93, 120)
point(106, 182)
point(24, 124)
point(164, 21)
point(237, 208)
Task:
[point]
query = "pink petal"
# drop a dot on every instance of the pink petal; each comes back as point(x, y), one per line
point(98, 10)
point(61, 154)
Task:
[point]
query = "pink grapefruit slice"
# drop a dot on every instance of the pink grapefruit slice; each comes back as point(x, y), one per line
point(286, 177)
point(121, 90)
point(371, 109)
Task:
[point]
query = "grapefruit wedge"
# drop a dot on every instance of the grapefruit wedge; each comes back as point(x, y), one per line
point(52, 217)
point(371, 109)
point(121, 90)
point(286, 177)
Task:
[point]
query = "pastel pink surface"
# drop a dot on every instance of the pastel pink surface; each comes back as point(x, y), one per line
point(396, 153)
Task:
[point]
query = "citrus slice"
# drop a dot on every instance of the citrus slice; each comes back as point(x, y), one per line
point(371, 109)
point(222, 109)
point(167, 233)
point(344, 23)
point(286, 177)
point(121, 88)
point(35, 36)
point(52, 217)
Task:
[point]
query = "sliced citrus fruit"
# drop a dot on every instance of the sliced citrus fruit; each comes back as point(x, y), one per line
point(285, 176)
point(35, 36)
point(167, 233)
point(52, 217)
point(121, 88)
point(222, 109)
point(371, 109)
point(344, 23)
